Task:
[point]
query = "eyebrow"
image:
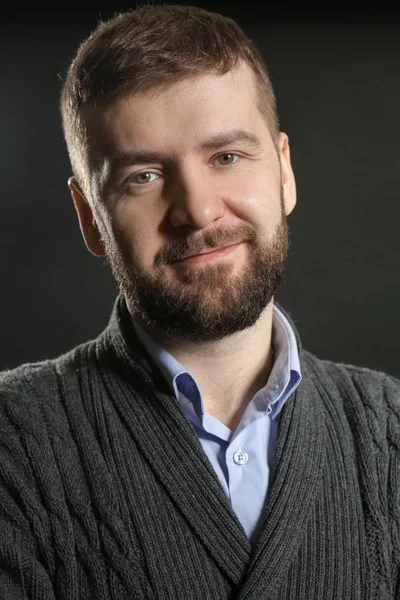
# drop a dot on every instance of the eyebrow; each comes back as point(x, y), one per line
point(232, 137)
point(119, 160)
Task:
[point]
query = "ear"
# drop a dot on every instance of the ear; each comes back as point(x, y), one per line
point(89, 229)
point(288, 180)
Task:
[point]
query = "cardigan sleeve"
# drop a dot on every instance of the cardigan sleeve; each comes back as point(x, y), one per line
point(21, 573)
point(23, 568)
point(29, 531)
point(392, 394)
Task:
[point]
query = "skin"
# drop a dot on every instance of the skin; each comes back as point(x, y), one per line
point(190, 190)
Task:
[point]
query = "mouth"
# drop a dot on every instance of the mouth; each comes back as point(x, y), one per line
point(208, 256)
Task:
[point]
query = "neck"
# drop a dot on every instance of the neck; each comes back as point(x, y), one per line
point(229, 371)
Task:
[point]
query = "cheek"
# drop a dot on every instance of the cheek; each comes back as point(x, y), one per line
point(135, 232)
point(256, 199)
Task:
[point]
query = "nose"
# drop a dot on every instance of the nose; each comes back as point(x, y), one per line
point(194, 200)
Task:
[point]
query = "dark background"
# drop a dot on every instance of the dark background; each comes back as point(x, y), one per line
point(336, 73)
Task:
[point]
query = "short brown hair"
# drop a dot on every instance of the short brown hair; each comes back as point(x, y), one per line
point(148, 47)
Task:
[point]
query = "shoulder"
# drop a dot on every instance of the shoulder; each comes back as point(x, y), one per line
point(366, 382)
point(369, 398)
point(31, 394)
point(33, 376)
point(26, 377)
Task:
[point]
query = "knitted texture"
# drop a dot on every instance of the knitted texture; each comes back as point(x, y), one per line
point(106, 492)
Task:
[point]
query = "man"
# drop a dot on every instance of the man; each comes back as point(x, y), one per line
point(194, 449)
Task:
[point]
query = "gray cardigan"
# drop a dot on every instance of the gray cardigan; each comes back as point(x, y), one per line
point(106, 493)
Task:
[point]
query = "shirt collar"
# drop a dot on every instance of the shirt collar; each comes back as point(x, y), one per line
point(285, 375)
point(285, 370)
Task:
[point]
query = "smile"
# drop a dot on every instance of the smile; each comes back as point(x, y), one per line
point(207, 257)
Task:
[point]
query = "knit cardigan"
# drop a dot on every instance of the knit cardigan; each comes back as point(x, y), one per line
point(106, 492)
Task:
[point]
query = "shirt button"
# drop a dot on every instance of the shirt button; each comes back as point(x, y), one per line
point(240, 457)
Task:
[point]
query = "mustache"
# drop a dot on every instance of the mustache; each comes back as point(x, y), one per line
point(183, 247)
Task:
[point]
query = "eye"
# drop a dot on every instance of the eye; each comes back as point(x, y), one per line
point(227, 159)
point(145, 177)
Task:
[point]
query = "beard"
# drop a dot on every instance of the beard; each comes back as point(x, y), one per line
point(206, 303)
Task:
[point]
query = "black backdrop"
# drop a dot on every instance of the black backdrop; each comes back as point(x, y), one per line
point(337, 79)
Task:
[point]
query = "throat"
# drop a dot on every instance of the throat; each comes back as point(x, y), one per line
point(228, 405)
point(229, 415)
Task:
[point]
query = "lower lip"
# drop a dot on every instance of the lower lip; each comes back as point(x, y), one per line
point(202, 259)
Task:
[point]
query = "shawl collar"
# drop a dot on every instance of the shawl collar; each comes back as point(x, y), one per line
point(166, 438)
point(169, 443)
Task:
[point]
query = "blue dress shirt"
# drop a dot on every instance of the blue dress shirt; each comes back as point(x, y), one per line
point(244, 459)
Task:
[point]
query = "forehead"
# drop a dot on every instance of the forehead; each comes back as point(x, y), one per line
point(178, 115)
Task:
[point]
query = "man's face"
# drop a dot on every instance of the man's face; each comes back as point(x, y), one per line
point(179, 172)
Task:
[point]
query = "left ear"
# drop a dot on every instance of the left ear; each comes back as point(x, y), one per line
point(288, 180)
